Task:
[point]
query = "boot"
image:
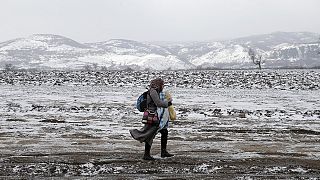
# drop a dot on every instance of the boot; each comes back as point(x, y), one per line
point(164, 140)
point(147, 155)
point(164, 153)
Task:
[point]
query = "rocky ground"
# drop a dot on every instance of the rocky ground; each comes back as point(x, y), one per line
point(242, 79)
point(80, 131)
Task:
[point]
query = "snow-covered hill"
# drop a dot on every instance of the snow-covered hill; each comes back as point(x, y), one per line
point(46, 51)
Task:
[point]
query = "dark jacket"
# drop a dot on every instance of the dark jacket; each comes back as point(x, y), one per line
point(153, 100)
point(148, 132)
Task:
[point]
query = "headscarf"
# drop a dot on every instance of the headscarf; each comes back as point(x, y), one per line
point(157, 84)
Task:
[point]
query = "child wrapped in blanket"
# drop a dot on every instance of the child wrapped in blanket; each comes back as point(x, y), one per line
point(166, 114)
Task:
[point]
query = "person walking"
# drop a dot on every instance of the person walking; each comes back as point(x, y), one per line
point(157, 105)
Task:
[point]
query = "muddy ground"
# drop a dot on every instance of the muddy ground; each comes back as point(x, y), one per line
point(82, 133)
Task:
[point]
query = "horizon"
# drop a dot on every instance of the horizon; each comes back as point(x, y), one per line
point(159, 41)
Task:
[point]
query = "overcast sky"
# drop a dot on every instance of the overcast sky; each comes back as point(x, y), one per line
point(156, 20)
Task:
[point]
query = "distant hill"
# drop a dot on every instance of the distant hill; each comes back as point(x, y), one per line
point(47, 51)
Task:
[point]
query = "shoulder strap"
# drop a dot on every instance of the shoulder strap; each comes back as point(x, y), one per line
point(150, 97)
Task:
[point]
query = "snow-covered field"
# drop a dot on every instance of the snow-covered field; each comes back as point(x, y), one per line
point(231, 125)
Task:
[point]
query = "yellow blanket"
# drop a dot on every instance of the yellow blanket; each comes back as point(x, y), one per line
point(172, 112)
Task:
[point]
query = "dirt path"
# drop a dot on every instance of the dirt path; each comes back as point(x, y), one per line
point(82, 133)
point(126, 163)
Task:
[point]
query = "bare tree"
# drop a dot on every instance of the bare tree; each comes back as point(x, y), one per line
point(128, 69)
point(319, 45)
point(256, 59)
point(9, 67)
point(104, 68)
point(95, 66)
point(87, 68)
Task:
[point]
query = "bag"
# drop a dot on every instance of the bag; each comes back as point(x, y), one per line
point(150, 118)
point(142, 102)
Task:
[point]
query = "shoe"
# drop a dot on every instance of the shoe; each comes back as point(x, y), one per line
point(165, 153)
point(147, 155)
point(148, 158)
point(164, 140)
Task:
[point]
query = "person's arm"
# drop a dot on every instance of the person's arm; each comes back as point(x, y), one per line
point(155, 97)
